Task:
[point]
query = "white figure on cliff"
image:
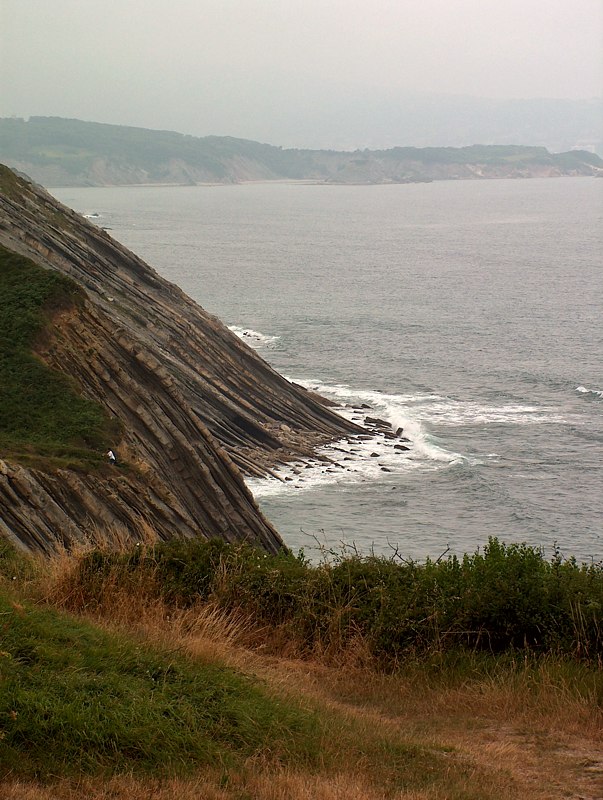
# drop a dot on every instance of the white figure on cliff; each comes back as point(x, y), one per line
point(111, 456)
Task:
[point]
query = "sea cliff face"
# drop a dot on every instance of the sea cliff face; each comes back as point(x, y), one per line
point(197, 406)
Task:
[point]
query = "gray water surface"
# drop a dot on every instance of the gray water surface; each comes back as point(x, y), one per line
point(470, 313)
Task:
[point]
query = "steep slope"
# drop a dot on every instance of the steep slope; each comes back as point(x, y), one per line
point(196, 405)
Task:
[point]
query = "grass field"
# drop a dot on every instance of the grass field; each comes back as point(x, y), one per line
point(138, 695)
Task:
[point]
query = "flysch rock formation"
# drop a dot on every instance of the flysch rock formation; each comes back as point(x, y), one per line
point(198, 406)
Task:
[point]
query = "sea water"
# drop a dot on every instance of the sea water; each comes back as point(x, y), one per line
point(468, 313)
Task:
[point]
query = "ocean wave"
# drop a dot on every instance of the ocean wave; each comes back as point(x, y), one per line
point(422, 407)
point(377, 455)
point(253, 338)
point(590, 394)
point(381, 456)
point(342, 463)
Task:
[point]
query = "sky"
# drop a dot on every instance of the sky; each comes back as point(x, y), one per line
point(251, 68)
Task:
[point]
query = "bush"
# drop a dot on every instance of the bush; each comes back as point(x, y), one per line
point(506, 598)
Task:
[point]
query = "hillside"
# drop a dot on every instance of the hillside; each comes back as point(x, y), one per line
point(204, 670)
point(63, 152)
point(103, 352)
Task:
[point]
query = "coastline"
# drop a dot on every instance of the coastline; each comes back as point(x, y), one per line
point(307, 182)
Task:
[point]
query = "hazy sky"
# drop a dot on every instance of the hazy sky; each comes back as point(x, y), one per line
point(233, 66)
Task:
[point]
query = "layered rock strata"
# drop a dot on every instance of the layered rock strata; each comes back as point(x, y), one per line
point(198, 406)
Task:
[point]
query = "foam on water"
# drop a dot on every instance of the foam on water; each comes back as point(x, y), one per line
point(371, 457)
point(377, 454)
point(357, 459)
point(253, 338)
point(411, 411)
point(590, 394)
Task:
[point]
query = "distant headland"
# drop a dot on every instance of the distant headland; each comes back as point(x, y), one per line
point(69, 152)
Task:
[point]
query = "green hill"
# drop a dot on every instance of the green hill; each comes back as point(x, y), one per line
point(58, 151)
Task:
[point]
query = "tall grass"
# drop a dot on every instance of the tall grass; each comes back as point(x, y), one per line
point(504, 599)
point(167, 629)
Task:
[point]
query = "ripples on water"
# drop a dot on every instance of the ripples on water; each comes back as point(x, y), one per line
point(468, 313)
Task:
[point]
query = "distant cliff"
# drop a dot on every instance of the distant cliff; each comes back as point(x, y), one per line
point(194, 407)
point(63, 152)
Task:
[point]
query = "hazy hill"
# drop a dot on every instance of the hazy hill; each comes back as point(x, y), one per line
point(381, 119)
point(62, 152)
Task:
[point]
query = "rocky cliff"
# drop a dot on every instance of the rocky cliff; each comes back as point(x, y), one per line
point(197, 406)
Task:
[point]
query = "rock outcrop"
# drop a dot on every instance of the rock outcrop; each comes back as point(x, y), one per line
point(198, 406)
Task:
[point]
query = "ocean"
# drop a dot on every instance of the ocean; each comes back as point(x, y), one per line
point(469, 313)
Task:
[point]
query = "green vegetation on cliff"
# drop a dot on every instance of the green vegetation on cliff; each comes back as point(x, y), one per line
point(492, 154)
point(43, 419)
point(74, 145)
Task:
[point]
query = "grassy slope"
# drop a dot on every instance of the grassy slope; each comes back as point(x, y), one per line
point(78, 700)
point(43, 419)
point(171, 701)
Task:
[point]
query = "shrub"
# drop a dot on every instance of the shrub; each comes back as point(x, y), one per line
point(507, 598)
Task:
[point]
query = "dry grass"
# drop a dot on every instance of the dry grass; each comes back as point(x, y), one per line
point(275, 786)
point(510, 776)
point(515, 734)
point(516, 740)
